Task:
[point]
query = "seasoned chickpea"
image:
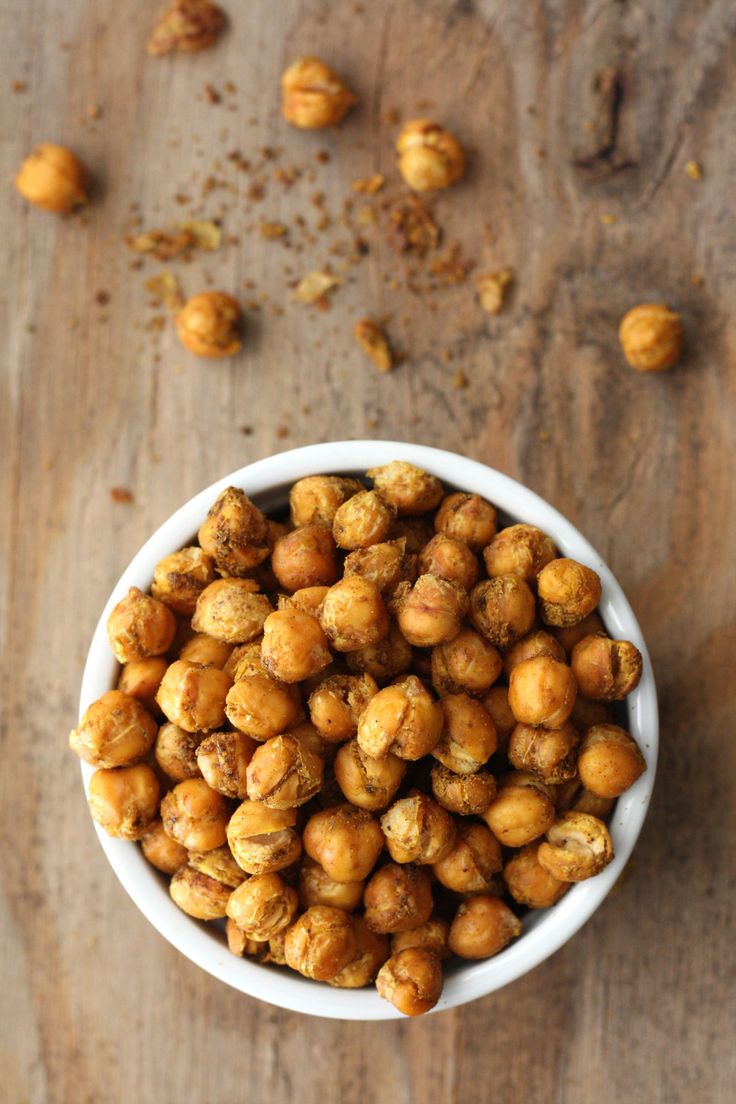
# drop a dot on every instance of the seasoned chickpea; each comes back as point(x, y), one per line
point(308, 599)
point(531, 645)
point(354, 615)
point(468, 518)
point(411, 980)
point(449, 559)
point(403, 719)
point(371, 951)
point(467, 794)
point(139, 626)
point(606, 670)
point(262, 906)
point(179, 579)
point(387, 659)
point(542, 692)
point(529, 883)
point(521, 550)
point(496, 702)
point(398, 898)
point(305, 557)
point(573, 797)
point(431, 611)
point(651, 337)
point(284, 772)
point(198, 895)
point(294, 646)
point(416, 531)
point(316, 887)
point(193, 697)
point(315, 499)
point(367, 782)
point(482, 927)
point(469, 736)
point(245, 660)
point(407, 488)
point(570, 635)
point(176, 752)
point(432, 936)
point(550, 753)
point(385, 565)
point(53, 178)
point(578, 846)
point(161, 851)
point(468, 664)
point(235, 533)
point(195, 815)
point(430, 158)
point(337, 703)
point(124, 800)
point(219, 864)
point(522, 810)
point(364, 519)
point(115, 731)
point(586, 713)
point(418, 830)
point(321, 942)
point(263, 840)
point(239, 944)
point(568, 591)
point(223, 760)
point(313, 95)
point(610, 761)
point(231, 611)
point(345, 841)
point(210, 324)
point(205, 651)
point(470, 865)
point(502, 609)
point(141, 678)
point(261, 707)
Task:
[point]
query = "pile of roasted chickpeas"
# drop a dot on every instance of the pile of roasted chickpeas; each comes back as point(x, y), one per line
point(370, 737)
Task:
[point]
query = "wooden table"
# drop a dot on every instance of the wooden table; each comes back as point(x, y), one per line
point(581, 118)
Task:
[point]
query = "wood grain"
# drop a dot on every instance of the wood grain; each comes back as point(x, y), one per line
point(574, 111)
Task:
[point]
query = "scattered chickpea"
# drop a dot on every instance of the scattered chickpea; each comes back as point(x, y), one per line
point(315, 499)
point(468, 664)
point(482, 927)
point(262, 906)
point(176, 752)
point(469, 736)
point(321, 942)
point(568, 592)
point(610, 761)
point(284, 772)
point(371, 951)
point(294, 646)
point(467, 794)
point(305, 557)
point(235, 533)
point(53, 178)
point(542, 692)
point(354, 614)
point(397, 898)
point(364, 519)
point(115, 731)
point(385, 565)
point(124, 800)
point(261, 707)
point(521, 550)
point(179, 579)
point(139, 626)
point(313, 95)
point(472, 861)
point(403, 719)
point(263, 840)
point(141, 678)
point(365, 781)
point(229, 610)
point(529, 883)
point(198, 895)
point(407, 488)
point(550, 753)
point(337, 703)
point(193, 697)
point(570, 635)
point(431, 611)
point(467, 517)
point(195, 815)
point(496, 702)
point(210, 323)
point(431, 936)
point(161, 851)
point(651, 337)
point(223, 759)
point(430, 158)
point(411, 980)
point(522, 810)
point(387, 659)
point(186, 25)
point(417, 829)
point(316, 887)
point(606, 670)
point(502, 609)
point(345, 841)
point(577, 847)
point(533, 644)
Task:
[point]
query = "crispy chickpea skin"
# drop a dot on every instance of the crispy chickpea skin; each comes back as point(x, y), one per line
point(521, 550)
point(371, 951)
point(529, 883)
point(195, 815)
point(176, 752)
point(345, 841)
point(606, 670)
point(431, 611)
point(468, 664)
point(141, 678)
point(550, 753)
point(210, 324)
point(229, 610)
point(365, 781)
point(316, 887)
point(308, 600)
point(235, 533)
point(570, 635)
point(449, 559)
point(161, 851)
point(385, 565)
point(467, 794)
point(522, 810)
point(502, 609)
point(263, 840)
point(531, 645)
point(262, 906)
point(139, 626)
point(542, 692)
point(568, 591)
point(430, 158)
point(467, 517)
point(407, 488)
point(387, 659)
point(470, 865)
point(337, 703)
point(354, 614)
point(315, 499)
point(482, 927)
point(610, 761)
point(239, 944)
point(651, 337)
point(179, 579)
point(403, 719)
point(496, 702)
point(198, 895)
point(124, 800)
point(223, 758)
point(469, 736)
point(432, 936)
point(261, 707)
point(397, 898)
point(578, 847)
point(284, 772)
point(294, 646)
point(205, 651)
point(364, 519)
point(411, 980)
point(321, 942)
point(115, 731)
point(193, 697)
point(313, 95)
point(219, 864)
point(418, 830)
point(245, 660)
point(53, 178)
point(305, 557)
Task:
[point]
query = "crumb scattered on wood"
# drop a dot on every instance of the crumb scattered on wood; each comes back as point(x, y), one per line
point(412, 229)
point(459, 380)
point(374, 343)
point(273, 229)
point(694, 170)
point(165, 288)
point(19, 86)
point(121, 494)
point(180, 241)
point(492, 289)
point(608, 220)
point(369, 185)
point(313, 288)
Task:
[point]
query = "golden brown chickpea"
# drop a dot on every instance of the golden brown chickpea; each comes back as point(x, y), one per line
point(411, 980)
point(53, 178)
point(305, 557)
point(431, 611)
point(542, 692)
point(315, 499)
point(354, 615)
point(467, 794)
point(193, 697)
point(124, 800)
point(469, 736)
point(161, 851)
point(115, 731)
point(522, 810)
point(430, 158)
point(397, 898)
point(496, 702)
point(470, 865)
point(521, 550)
point(294, 646)
point(432, 936)
point(573, 797)
point(651, 337)
point(371, 952)
point(578, 846)
point(141, 679)
point(261, 707)
point(570, 635)
point(205, 651)
point(606, 670)
point(610, 761)
point(139, 626)
point(386, 660)
point(235, 533)
point(367, 782)
point(468, 664)
point(223, 760)
point(245, 660)
point(263, 840)
point(239, 944)
point(186, 25)
point(533, 644)
point(219, 864)
point(179, 579)
point(403, 719)
point(418, 830)
point(195, 815)
point(231, 611)
point(468, 518)
point(407, 488)
point(198, 895)
point(482, 927)
point(449, 559)
point(320, 943)
point(284, 772)
point(587, 713)
point(345, 841)
point(385, 565)
point(337, 703)
point(529, 883)
point(176, 752)
point(416, 531)
point(568, 591)
point(502, 609)
point(313, 95)
point(550, 753)
point(364, 519)
point(210, 324)
point(262, 906)
point(316, 887)
point(308, 599)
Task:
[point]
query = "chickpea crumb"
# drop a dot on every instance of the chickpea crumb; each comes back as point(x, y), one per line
point(374, 343)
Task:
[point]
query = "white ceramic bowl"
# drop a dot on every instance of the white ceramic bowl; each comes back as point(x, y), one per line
point(267, 482)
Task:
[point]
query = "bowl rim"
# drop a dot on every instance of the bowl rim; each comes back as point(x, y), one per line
point(545, 930)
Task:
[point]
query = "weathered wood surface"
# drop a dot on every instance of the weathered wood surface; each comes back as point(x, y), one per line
point(575, 112)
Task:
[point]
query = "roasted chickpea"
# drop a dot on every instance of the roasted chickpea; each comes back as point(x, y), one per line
point(469, 736)
point(53, 178)
point(578, 846)
point(471, 863)
point(294, 646)
point(431, 611)
point(239, 944)
point(371, 951)
point(364, 519)
point(337, 703)
point(198, 895)
point(124, 800)
point(573, 797)
point(522, 810)
point(468, 518)
point(315, 499)
point(416, 531)
point(430, 158)
point(161, 851)
point(210, 324)
point(305, 557)
point(502, 609)
point(179, 579)
point(321, 942)
point(345, 841)
point(354, 615)
point(261, 707)
point(482, 927)
point(231, 611)
point(115, 731)
point(417, 829)
point(195, 815)
point(521, 550)
point(313, 95)
point(385, 565)
point(139, 626)
point(496, 702)
point(263, 840)
point(403, 719)
point(316, 887)
point(141, 679)
point(367, 782)
point(432, 936)
point(529, 883)
point(467, 794)
point(550, 753)
point(176, 752)
point(542, 692)
point(531, 645)
point(223, 760)
point(284, 772)
point(449, 559)
point(570, 635)
point(407, 488)
point(219, 864)
point(606, 670)
point(235, 533)
point(308, 599)
point(387, 659)
point(245, 660)
point(397, 898)
point(262, 906)
point(205, 651)
point(411, 980)
point(468, 664)
point(610, 761)
point(193, 697)
point(651, 337)
point(568, 592)
point(586, 713)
